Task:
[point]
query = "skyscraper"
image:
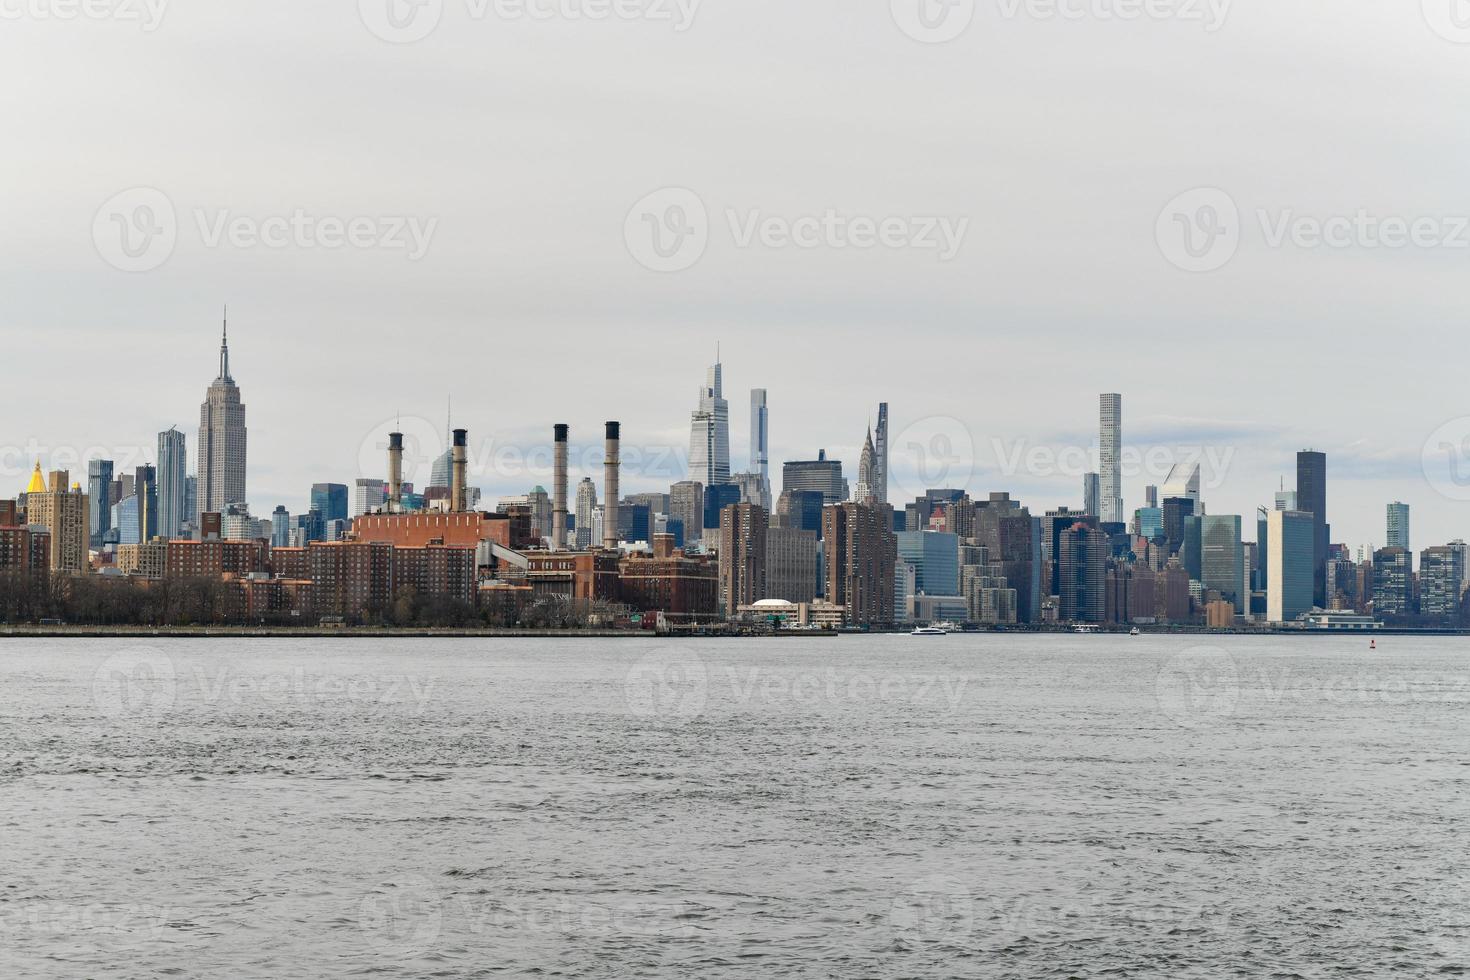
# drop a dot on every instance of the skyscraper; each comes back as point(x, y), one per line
point(145, 488)
point(880, 447)
point(1398, 525)
point(173, 484)
point(586, 509)
point(1091, 494)
point(742, 556)
point(368, 495)
point(1222, 559)
point(1110, 483)
point(99, 491)
point(1441, 581)
point(821, 474)
point(1311, 498)
point(709, 433)
point(1183, 483)
point(280, 527)
point(867, 472)
point(62, 510)
point(860, 555)
point(934, 557)
point(221, 439)
point(760, 442)
point(1082, 557)
point(1289, 536)
point(1393, 582)
point(330, 500)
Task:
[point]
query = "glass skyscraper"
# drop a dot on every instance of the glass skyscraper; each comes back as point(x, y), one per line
point(709, 433)
point(1398, 525)
point(99, 493)
point(173, 508)
point(1222, 560)
point(1311, 498)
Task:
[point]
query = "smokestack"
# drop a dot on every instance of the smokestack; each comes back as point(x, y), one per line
point(610, 488)
point(559, 491)
point(457, 479)
point(395, 472)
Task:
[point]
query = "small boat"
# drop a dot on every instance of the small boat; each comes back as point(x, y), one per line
point(1134, 631)
point(1085, 628)
point(927, 631)
point(1372, 644)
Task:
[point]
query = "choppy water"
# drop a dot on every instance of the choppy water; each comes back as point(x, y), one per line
point(990, 806)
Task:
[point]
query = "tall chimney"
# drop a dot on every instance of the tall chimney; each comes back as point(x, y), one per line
point(610, 488)
point(458, 466)
point(559, 491)
point(395, 472)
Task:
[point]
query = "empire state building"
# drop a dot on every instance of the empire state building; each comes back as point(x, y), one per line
point(221, 439)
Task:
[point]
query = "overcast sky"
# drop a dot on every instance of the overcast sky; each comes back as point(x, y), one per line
point(149, 150)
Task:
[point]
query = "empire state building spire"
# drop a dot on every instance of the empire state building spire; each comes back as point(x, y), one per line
point(224, 349)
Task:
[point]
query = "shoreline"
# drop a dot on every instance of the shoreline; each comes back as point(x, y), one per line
point(363, 632)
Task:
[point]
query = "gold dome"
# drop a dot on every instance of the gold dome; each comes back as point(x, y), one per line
point(38, 482)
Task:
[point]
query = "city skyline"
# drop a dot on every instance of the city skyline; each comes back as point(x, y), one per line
point(348, 336)
point(1017, 471)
